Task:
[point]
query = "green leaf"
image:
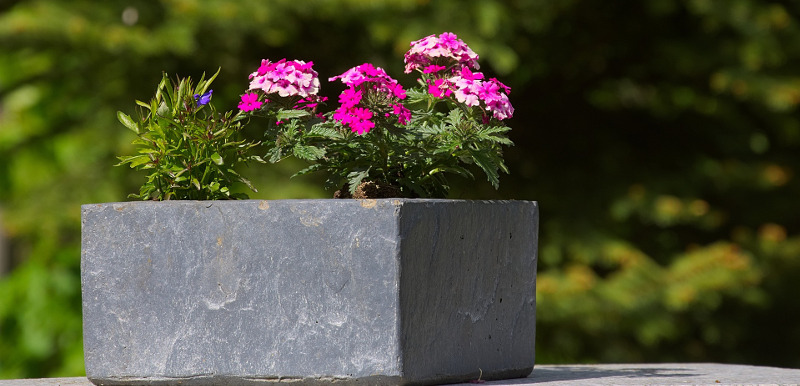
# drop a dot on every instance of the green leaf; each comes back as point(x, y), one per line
point(325, 132)
point(202, 85)
point(161, 86)
point(488, 166)
point(145, 105)
point(164, 110)
point(354, 179)
point(307, 170)
point(285, 114)
point(274, 155)
point(431, 129)
point(126, 120)
point(309, 153)
point(217, 159)
point(242, 179)
point(135, 160)
point(495, 134)
point(454, 169)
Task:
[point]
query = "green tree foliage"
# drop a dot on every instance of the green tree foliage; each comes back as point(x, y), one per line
point(660, 138)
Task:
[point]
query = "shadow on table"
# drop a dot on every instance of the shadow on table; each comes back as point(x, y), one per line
point(575, 373)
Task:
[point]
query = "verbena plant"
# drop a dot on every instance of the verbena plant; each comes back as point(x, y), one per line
point(381, 141)
point(189, 150)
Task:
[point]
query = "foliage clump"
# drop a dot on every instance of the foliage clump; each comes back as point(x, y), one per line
point(189, 150)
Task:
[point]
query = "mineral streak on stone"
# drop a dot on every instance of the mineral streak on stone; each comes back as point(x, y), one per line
point(386, 291)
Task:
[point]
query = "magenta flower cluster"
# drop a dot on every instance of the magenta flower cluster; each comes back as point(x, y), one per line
point(449, 69)
point(433, 55)
point(364, 80)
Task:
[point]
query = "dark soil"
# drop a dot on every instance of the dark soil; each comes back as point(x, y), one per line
point(370, 189)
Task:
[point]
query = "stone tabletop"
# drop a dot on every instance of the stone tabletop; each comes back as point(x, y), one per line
point(584, 375)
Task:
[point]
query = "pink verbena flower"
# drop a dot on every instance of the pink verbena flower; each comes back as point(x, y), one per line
point(358, 118)
point(350, 97)
point(402, 112)
point(440, 88)
point(446, 49)
point(433, 68)
point(370, 77)
point(309, 103)
point(286, 78)
point(249, 102)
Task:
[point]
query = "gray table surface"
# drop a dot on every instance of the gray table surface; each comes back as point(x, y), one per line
point(580, 375)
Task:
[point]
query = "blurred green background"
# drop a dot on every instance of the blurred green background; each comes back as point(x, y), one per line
point(660, 137)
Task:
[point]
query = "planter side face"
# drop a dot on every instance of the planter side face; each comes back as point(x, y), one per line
point(218, 292)
point(468, 289)
point(390, 291)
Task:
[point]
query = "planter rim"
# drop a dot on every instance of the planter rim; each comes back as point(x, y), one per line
point(301, 200)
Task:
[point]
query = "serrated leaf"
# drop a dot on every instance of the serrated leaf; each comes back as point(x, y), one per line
point(274, 155)
point(285, 114)
point(454, 117)
point(488, 166)
point(430, 129)
point(495, 129)
point(354, 179)
point(326, 132)
point(309, 153)
point(497, 139)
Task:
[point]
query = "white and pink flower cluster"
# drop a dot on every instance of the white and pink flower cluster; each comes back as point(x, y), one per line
point(470, 88)
point(286, 78)
point(362, 80)
point(440, 52)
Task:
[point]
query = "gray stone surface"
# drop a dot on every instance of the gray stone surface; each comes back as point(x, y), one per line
point(590, 375)
point(388, 291)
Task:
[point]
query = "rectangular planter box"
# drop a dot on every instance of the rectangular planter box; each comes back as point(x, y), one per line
point(388, 291)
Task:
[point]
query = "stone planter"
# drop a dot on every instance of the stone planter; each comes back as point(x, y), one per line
point(388, 291)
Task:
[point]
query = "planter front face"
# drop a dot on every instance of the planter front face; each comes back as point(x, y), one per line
point(367, 291)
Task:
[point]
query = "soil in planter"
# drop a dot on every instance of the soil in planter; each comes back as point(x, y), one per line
point(370, 189)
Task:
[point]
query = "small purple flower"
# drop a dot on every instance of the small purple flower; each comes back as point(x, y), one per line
point(203, 99)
